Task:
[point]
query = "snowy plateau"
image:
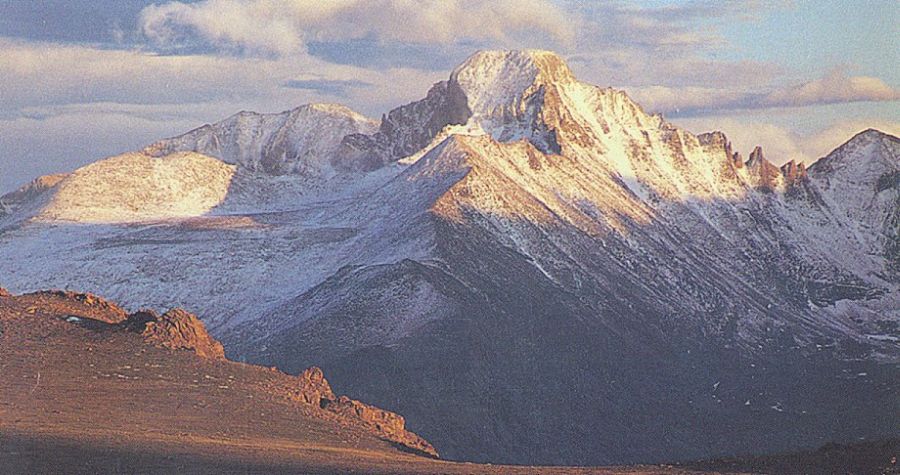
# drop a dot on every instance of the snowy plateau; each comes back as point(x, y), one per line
point(544, 272)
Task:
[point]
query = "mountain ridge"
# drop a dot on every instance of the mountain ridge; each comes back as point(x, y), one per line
point(518, 237)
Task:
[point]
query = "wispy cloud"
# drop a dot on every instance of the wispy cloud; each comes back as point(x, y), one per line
point(334, 87)
point(47, 74)
point(836, 87)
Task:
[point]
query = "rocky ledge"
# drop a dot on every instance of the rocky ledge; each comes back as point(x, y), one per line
point(314, 389)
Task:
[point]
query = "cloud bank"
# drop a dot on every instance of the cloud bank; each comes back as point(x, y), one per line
point(284, 27)
point(835, 87)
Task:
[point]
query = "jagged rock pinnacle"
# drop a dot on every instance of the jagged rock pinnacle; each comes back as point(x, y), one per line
point(793, 171)
point(757, 156)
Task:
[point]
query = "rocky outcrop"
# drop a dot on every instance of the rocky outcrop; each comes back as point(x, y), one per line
point(4, 293)
point(49, 339)
point(793, 172)
point(406, 129)
point(718, 141)
point(768, 176)
point(314, 389)
point(96, 307)
point(379, 418)
point(176, 329)
point(392, 425)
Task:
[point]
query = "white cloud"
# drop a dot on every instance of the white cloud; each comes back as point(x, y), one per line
point(257, 25)
point(284, 27)
point(835, 87)
point(45, 74)
point(672, 44)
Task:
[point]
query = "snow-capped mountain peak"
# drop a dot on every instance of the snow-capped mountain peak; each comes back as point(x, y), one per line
point(509, 95)
point(865, 147)
point(298, 141)
point(494, 80)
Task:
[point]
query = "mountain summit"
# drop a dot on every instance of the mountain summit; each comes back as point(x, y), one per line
point(499, 80)
point(544, 272)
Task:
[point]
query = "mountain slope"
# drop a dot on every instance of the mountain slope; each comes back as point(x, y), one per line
point(633, 245)
point(532, 305)
point(89, 388)
point(543, 272)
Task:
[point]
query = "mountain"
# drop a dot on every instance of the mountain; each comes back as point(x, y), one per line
point(533, 270)
point(298, 141)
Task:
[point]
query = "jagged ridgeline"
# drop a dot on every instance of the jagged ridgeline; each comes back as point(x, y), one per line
point(530, 268)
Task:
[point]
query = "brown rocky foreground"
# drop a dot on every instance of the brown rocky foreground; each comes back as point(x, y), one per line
point(86, 387)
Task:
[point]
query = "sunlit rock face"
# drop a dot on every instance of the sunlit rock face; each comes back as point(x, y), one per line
point(135, 187)
point(533, 270)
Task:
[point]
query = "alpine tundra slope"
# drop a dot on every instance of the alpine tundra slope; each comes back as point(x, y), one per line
point(530, 268)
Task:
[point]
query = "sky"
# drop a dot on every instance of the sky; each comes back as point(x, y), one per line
point(84, 79)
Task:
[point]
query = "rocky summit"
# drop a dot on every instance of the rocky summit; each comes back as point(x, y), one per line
point(531, 269)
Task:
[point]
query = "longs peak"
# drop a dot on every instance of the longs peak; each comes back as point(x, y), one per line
point(516, 228)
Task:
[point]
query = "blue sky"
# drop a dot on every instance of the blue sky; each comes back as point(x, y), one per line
point(82, 80)
point(811, 35)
